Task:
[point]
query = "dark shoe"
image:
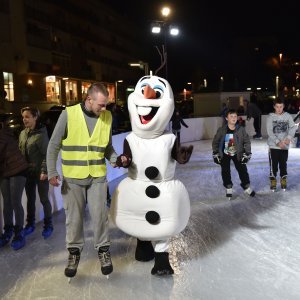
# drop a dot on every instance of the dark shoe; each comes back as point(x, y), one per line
point(18, 241)
point(6, 236)
point(162, 265)
point(29, 228)
point(47, 231)
point(144, 251)
point(73, 261)
point(229, 193)
point(105, 260)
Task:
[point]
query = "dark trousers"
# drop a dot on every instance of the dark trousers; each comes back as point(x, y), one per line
point(241, 169)
point(257, 125)
point(278, 157)
point(43, 189)
point(12, 190)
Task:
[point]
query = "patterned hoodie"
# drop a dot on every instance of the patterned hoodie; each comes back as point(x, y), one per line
point(280, 127)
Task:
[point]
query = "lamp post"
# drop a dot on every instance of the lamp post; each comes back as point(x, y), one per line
point(167, 29)
point(116, 86)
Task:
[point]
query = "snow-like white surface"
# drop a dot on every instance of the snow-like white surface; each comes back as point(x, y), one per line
point(246, 248)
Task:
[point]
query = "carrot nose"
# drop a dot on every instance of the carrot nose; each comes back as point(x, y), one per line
point(149, 92)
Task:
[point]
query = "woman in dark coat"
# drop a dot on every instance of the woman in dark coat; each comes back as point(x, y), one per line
point(13, 169)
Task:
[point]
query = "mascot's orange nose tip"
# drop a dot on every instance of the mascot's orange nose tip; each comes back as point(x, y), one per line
point(149, 92)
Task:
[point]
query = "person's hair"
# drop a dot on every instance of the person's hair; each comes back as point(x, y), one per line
point(33, 110)
point(231, 111)
point(278, 101)
point(96, 88)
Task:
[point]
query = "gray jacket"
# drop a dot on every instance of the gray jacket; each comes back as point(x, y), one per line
point(280, 127)
point(242, 141)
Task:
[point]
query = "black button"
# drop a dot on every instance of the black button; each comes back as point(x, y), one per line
point(152, 191)
point(152, 217)
point(151, 172)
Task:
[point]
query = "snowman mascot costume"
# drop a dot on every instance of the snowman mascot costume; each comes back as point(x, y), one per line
point(150, 204)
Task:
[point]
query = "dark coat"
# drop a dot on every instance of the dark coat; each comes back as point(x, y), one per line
point(12, 162)
point(241, 138)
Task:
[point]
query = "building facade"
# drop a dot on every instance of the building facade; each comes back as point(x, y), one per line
point(52, 50)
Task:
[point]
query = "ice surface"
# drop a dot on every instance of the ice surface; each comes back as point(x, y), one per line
point(246, 248)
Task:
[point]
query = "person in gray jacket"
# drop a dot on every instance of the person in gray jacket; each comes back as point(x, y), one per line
point(281, 130)
point(231, 142)
point(33, 143)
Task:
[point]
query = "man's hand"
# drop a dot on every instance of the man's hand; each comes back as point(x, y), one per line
point(55, 181)
point(287, 141)
point(282, 145)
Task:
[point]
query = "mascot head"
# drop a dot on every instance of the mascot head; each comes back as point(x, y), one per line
point(150, 106)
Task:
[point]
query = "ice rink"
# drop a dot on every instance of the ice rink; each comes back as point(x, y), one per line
point(243, 249)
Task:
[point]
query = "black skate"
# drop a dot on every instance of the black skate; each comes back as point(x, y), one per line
point(73, 261)
point(162, 265)
point(144, 251)
point(105, 260)
point(229, 193)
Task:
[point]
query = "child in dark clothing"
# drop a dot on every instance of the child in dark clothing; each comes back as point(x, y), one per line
point(231, 142)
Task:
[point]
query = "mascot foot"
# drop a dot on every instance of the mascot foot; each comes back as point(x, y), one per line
point(144, 251)
point(162, 265)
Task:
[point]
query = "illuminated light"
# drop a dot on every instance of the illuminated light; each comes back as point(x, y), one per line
point(29, 82)
point(65, 78)
point(174, 31)
point(258, 88)
point(50, 78)
point(222, 78)
point(248, 89)
point(165, 11)
point(156, 29)
point(205, 82)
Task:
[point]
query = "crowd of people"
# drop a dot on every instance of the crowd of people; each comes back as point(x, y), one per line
point(29, 162)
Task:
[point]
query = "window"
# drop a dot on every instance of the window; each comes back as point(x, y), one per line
point(53, 89)
point(9, 86)
point(71, 91)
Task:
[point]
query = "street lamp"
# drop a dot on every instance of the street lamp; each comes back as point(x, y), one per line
point(167, 29)
point(142, 65)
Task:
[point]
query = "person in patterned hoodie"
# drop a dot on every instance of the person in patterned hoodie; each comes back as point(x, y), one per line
point(281, 129)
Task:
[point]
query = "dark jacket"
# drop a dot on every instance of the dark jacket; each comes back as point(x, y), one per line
point(241, 138)
point(177, 121)
point(33, 145)
point(12, 162)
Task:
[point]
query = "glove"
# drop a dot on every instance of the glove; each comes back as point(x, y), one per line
point(217, 158)
point(245, 158)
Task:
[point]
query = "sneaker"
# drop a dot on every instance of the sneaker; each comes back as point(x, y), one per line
point(18, 241)
point(249, 192)
point(273, 182)
point(73, 261)
point(6, 236)
point(105, 260)
point(47, 231)
point(29, 228)
point(229, 192)
point(283, 182)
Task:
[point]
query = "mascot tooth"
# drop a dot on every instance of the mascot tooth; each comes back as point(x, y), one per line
point(150, 204)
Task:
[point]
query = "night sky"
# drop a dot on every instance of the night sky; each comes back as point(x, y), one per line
point(210, 30)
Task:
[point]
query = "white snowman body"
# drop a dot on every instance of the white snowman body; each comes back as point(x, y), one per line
point(170, 200)
point(151, 207)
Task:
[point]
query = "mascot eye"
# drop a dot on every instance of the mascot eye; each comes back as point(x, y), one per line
point(159, 93)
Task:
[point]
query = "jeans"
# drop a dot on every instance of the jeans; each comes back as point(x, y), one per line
point(12, 190)
point(43, 189)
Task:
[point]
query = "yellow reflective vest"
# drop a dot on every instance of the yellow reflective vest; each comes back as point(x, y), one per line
point(82, 154)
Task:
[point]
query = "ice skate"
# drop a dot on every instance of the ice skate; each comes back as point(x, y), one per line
point(18, 241)
point(6, 236)
point(249, 192)
point(73, 261)
point(47, 231)
point(29, 228)
point(144, 251)
point(162, 265)
point(105, 261)
point(229, 193)
point(283, 182)
point(273, 184)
